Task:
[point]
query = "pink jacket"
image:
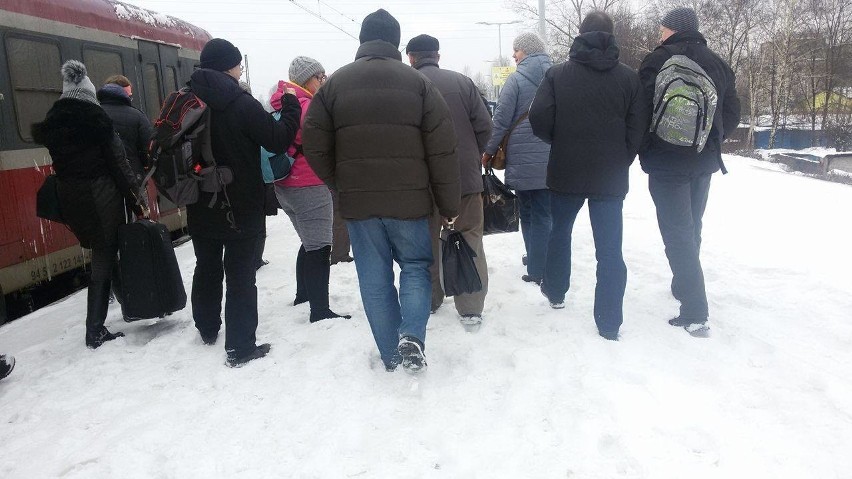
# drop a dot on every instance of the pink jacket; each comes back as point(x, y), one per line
point(301, 174)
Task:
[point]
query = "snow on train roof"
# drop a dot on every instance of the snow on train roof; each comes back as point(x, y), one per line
point(114, 16)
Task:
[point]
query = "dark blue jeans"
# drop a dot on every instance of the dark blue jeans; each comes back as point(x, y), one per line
point(680, 201)
point(376, 244)
point(536, 224)
point(607, 229)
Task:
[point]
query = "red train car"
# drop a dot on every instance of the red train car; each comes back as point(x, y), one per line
point(156, 52)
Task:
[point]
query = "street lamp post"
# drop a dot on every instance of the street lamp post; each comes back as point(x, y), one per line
point(499, 35)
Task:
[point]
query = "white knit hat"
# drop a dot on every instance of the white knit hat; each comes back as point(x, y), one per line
point(303, 68)
point(76, 83)
point(529, 43)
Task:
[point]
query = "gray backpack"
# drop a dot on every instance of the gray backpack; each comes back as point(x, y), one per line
point(684, 103)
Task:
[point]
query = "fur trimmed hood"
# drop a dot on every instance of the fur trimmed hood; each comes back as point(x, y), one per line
point(73, 122)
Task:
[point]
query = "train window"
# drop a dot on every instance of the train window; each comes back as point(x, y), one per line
point(102, 65)
point(153, 98)
point(171, 79)
point(36, 83)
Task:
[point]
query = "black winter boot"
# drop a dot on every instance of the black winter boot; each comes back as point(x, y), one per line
point(96, 312)
point(301, 292)
point(317, 269)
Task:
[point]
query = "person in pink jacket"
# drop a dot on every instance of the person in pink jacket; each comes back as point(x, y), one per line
point(307, 200)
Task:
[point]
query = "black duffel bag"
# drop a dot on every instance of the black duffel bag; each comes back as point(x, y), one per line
point(500, 206)
point(459, 270)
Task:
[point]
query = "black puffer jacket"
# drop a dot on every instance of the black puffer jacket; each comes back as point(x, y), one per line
point(132, 126)
point(470, 118)
point(590, 110)
point(657, 155)
point(381, 135)
point(239, 126)
point(93, 172)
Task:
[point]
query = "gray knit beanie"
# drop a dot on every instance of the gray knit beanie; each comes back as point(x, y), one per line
point(681, 20)
point(303, 68)
point(529, 43)
point(76, 83)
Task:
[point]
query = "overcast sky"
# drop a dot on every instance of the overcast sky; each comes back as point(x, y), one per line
point(272, 32)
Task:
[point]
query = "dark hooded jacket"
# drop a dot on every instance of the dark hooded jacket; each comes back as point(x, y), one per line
point(132, 125)
point(381, 134)
point(239, 126)
point(590, 110)
point(470, 118)
point(657, 155)
point(92, 170)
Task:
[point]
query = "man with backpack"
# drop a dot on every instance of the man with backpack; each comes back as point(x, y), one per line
point(232, 220)
point(692, 95)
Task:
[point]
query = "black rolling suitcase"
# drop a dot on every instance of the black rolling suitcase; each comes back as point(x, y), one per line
point(151, 285)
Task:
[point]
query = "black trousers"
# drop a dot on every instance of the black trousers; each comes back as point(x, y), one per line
point(233, 261)
point(103, 265)
point(680, 200)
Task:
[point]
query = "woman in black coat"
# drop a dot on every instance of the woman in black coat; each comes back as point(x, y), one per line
point(94, 179)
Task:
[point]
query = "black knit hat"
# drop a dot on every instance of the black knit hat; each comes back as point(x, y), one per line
point(681, 20)
point(596, 21)
point(380, 25)
point(423, 43)
point(220, 55)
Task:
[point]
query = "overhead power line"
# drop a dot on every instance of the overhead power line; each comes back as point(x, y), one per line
point(317, 15)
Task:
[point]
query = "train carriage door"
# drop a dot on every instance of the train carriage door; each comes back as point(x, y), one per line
point(159, 77)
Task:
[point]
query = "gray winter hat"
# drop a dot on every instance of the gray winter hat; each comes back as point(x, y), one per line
point(76, 83)
point(681, 20)
point(303, 68)
point(529, 43)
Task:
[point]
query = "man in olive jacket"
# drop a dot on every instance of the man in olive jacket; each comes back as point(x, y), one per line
point(679, 179)
point(473, 129)
point(381, 135)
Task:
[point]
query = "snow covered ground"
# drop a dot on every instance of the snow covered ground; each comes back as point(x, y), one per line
point(535, 394)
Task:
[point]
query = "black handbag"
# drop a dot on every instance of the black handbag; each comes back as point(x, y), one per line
point(501, 211)
point(47, 200)
point(460, 274)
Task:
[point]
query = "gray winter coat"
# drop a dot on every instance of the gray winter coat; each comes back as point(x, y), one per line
point(470, 119)
point(527, 155)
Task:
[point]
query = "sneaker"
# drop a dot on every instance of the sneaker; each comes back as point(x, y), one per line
point(238, 362)
point(609, 335)
point(7, 364)
point(411, 350)
point(471, 322)
point(693, 326)
point(680, 321)
point(559, 305)
point(96, 339)
point(531, 279)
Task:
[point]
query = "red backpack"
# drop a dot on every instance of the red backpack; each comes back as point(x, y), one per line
point(182, 155)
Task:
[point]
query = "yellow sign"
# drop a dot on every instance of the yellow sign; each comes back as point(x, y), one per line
point(499, 75)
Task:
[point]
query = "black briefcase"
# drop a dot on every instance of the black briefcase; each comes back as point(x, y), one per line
point(151, 285)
